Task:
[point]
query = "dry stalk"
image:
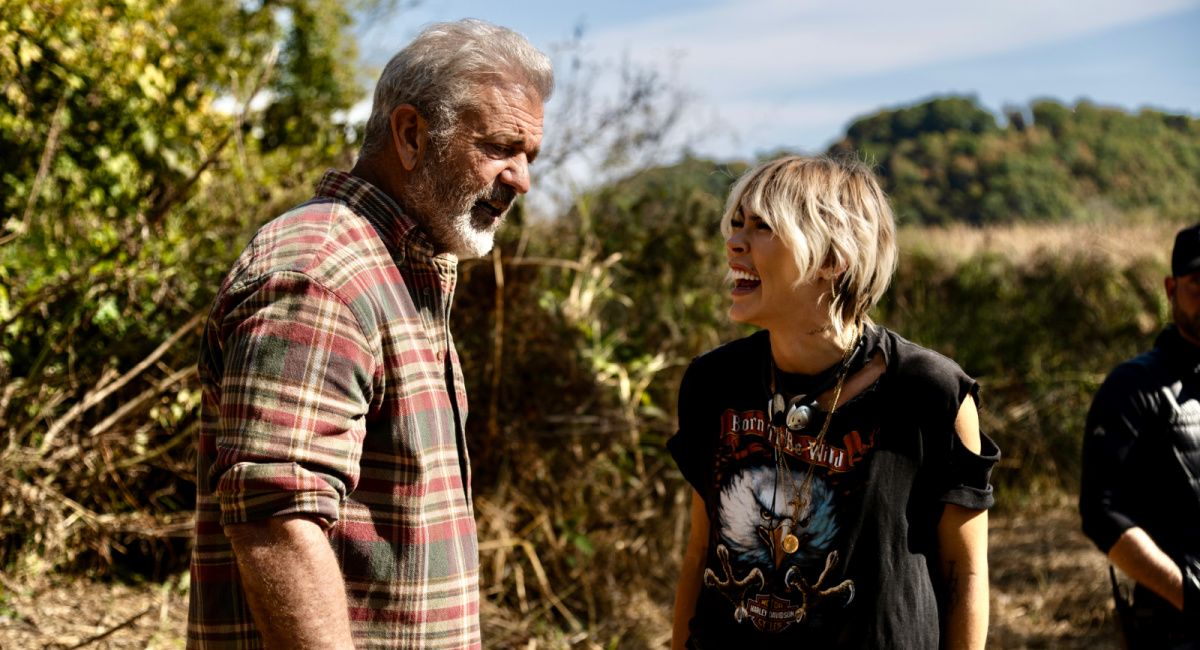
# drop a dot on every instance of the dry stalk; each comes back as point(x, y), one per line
point(49, 151)
point(539, 572)
point(550, 262)
point(96, 396)
point(6, 398)
point(48, 400)
point(145, 396)
point(497, 349)
point(123, 624)
point(182, 436)
point(9, 584)
point(519, 579)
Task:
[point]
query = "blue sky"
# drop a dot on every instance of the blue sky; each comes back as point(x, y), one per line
point(764, 75)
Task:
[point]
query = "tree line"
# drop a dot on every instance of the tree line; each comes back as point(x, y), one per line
point(949, 160)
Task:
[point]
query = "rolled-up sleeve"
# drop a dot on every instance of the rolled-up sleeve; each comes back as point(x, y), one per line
point(970, 474)
point(295, 393)
point(965, 476)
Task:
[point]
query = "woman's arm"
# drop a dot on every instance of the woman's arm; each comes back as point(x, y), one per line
point(962, 546)
point(690, 574)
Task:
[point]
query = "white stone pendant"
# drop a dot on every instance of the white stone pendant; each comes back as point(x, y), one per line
point(799, 416)
point(778, 406)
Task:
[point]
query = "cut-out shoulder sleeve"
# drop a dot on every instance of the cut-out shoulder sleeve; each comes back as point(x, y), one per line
point(940, 387)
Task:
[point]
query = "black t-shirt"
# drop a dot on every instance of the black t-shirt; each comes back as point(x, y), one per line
point(863, 543)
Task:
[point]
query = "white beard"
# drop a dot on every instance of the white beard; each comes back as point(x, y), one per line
point(463, 239)
point(442, 202)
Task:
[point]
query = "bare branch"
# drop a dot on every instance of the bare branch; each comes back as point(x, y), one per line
point(48, 153)
point(97, 396)
point(145, 396)
point(123, 624)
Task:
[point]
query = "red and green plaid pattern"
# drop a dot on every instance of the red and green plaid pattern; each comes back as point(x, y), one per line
point(332, 388)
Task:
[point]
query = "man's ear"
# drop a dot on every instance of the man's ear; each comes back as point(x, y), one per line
point(1169, 285)
point(410, 135)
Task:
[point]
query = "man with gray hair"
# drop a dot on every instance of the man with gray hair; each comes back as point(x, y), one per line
point(334, 503)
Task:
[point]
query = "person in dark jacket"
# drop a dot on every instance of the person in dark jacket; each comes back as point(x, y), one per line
point(1140, 493)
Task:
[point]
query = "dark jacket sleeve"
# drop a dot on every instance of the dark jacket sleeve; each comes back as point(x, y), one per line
point(1121, 409)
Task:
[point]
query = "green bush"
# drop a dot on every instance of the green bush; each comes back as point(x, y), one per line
point(1040, 334)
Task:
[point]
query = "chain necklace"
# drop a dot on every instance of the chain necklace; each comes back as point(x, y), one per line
point(798, 417)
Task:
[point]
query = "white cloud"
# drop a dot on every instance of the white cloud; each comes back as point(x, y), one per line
point(761, 45)
point(742, 127)
point(747, 63)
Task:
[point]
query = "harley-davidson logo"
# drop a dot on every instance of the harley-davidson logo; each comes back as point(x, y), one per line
point(770, 613)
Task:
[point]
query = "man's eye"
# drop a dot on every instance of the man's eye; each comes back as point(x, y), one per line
point(498, 150)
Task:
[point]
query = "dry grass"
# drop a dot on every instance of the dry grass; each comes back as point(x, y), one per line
point(60, 612)
point(1114, 243)
point(1050, 585)
point(1049, 590)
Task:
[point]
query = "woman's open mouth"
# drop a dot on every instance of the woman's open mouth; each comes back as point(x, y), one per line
point(744, 282)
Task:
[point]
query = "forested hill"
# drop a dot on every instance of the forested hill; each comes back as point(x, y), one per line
point(950, 160)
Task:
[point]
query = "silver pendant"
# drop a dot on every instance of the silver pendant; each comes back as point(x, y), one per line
point(799, 416)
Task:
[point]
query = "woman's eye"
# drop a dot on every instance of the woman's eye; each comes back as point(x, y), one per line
point(736, 223)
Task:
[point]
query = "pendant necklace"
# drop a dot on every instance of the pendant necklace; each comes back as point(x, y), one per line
point(797, 418)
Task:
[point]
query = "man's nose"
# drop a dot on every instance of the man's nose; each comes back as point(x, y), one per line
point(516, 174)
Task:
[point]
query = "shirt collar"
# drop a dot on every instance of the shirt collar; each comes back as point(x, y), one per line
point(403, 237)
point(394, 227)
point(1178, 350)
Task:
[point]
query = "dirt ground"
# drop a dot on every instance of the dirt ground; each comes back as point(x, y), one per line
point(1049, 590)
point(1050, 587)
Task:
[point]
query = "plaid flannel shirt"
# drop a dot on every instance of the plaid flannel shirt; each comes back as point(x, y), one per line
point(332, 388)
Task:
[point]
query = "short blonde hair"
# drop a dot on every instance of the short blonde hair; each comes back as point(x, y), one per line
point(829, 213)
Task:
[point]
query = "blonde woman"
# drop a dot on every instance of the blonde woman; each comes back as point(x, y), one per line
point(841, 483)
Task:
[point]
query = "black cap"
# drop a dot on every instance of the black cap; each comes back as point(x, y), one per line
point(1185, 258)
